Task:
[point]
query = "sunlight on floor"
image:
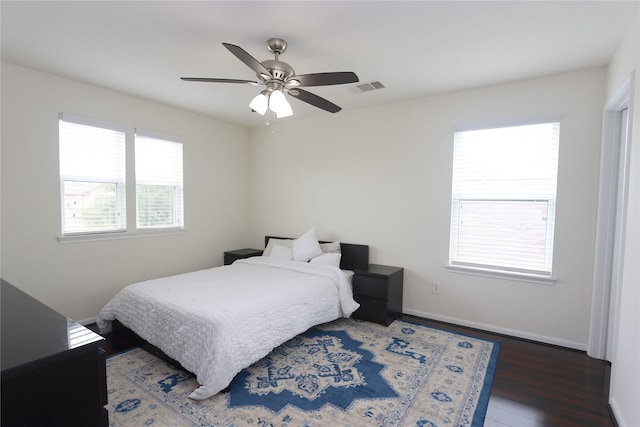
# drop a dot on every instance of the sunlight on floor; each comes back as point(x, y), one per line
point(505, 412)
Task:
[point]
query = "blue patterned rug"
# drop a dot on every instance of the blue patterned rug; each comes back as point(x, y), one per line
point(344, 373)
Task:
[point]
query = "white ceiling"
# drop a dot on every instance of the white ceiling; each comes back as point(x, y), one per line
point(415, 48)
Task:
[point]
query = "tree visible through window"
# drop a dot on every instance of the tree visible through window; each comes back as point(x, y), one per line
point(504, 198)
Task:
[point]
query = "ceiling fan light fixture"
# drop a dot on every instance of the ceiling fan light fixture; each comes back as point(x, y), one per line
point(279, 104)
point(260, 103)
point(285, 111)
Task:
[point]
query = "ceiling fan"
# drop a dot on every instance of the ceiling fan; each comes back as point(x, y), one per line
point(280, 78)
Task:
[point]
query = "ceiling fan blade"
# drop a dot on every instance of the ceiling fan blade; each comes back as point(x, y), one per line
point(212, 80)
point(326, 79)
point(249, 60)
point(314, 100)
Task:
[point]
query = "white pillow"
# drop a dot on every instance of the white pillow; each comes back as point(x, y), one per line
point(306, 246)
point(282, 252)
point(330, 258)
point(330, 247)
point(283, 242)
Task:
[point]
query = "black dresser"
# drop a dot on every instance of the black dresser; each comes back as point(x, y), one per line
point(53, 369)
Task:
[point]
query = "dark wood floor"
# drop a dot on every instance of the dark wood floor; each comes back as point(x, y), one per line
point(535, 385)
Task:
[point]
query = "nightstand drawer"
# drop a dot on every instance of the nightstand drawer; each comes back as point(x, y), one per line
point(373, 287)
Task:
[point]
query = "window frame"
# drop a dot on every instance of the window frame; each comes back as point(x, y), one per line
point(127, 232)
point(177, 186)
point(120, 184)
point(505, 272)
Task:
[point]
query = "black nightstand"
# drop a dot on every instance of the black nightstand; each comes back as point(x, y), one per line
point(378, 289)
point(231, 256)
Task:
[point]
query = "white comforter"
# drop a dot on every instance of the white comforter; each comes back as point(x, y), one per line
point(219, 321)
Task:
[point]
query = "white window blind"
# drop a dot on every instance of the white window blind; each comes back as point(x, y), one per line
point(159, 189)
point(504, 198)
point(92, 175)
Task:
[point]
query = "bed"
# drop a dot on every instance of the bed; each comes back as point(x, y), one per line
point(218, 321)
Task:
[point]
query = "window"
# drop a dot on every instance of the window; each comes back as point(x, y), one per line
point(504, 198)
point(93, 181)
point(159, 192)
point(92, 176)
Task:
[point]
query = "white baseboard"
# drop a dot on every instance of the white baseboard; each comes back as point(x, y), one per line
point(615, 412)
point(499, 330)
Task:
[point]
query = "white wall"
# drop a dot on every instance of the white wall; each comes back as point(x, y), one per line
point(78, 279)
point(382, 176)
point(625, 366)
point(379, 176)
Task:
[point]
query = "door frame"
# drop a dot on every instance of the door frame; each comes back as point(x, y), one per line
point(612, 199)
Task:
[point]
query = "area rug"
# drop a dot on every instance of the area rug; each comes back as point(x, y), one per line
point(344, 373)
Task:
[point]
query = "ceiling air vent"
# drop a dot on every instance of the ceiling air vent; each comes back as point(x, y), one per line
point(367, 87)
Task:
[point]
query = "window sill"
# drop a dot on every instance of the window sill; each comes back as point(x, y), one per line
point(79, 238)
point(505, 275)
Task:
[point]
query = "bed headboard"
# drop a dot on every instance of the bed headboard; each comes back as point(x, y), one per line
point(354, 257)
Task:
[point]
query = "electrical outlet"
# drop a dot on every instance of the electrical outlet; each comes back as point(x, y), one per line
point(435, 288)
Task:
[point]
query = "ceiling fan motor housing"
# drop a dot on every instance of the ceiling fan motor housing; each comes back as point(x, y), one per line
point(278, 69)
